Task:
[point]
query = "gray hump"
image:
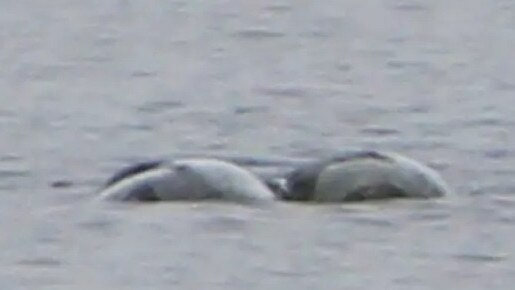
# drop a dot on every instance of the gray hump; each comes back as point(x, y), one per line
point(302, 180)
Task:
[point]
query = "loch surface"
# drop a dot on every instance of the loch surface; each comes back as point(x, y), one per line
point(88, 87)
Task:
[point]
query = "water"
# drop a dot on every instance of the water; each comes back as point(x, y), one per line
point(90, 86)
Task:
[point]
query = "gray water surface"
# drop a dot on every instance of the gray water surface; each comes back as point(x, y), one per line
point(87, 87)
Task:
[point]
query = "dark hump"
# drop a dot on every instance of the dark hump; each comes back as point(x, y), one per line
point(302, 181)
point(348, 156)
point(133, 170)
point(142, 192)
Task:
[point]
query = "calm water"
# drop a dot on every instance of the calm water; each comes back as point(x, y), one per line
point(89, 86)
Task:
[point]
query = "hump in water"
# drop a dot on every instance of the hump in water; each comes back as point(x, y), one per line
point(362, 175)
point(186, 179)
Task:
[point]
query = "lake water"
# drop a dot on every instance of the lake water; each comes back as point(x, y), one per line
point(87, 87)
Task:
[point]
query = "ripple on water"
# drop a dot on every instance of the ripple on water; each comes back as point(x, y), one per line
point(479, 258)
point(410, 6)
point(504, 201)
point(406, 64)
point(430, 216)
point(283, 91)
point(484, 121)
point(10, 178)
point(258, 34)
point(143, 74)
point(493, 189)
point(13, 173)
point(379, 221)
point(279, 7)
point(98, 224)
point(223, 224)
point(155, 107)
point(136, 126)
point(379, 131)
point(498, 153)
point(40, 262)
point(6, 157)
point(243, 110)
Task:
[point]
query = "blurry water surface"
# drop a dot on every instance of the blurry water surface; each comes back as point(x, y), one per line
point(89, 86)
